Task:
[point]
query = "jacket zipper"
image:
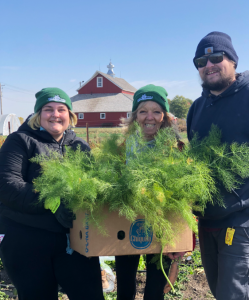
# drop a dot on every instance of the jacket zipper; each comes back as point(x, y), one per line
point(60, 145)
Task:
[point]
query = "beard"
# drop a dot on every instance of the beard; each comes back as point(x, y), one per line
point(223, 82)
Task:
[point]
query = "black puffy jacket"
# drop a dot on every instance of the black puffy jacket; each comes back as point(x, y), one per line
point(18, 201)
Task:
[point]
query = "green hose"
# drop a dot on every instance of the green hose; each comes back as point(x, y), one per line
point(161, 263)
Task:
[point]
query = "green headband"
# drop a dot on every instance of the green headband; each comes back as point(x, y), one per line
point(48, 95)
point(151, 92)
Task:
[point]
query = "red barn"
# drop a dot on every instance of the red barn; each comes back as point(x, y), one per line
point(103, 100)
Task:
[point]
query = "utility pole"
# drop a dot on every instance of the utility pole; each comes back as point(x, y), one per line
point(1, 99)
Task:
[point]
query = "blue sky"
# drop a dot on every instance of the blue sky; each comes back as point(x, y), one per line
point(59, 43)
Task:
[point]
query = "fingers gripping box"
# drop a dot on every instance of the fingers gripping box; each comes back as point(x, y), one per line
point(124, 237)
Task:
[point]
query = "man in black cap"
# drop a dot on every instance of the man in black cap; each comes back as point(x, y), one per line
point(223, 231)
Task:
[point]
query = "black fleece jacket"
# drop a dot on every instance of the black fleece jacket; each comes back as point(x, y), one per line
point(230, 112)
point(18, 201)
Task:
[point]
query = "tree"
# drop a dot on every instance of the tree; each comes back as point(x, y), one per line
point(21, 119)
point(179, 106)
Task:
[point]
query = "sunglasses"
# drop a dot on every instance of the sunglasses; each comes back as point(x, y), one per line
point(214, 58)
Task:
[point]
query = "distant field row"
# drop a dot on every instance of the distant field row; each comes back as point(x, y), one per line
point(96, 134)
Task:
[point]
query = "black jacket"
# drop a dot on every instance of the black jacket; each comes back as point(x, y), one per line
point(18, 200)
point(230, 112)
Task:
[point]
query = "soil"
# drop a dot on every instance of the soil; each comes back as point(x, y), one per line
point(195, 287)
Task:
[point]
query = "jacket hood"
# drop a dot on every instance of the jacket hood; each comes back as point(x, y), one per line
point(46, 136)
point(241, 80)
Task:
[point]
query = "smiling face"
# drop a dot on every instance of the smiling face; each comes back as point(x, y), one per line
point(217, 77)
point(55, 119)
point(150, 118)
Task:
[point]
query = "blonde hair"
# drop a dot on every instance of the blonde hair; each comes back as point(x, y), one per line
point(35, 120)
point(128, 123)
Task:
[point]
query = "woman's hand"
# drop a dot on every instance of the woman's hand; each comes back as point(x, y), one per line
point(64, 216)
point(175, 255)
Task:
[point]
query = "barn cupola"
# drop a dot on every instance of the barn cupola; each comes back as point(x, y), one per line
point(110, 71)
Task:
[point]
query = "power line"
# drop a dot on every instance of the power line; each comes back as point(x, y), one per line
point(20, 101)
point(28, 93)
point(19, 88)
point(72, 87)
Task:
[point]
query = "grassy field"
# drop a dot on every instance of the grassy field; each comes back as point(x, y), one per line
point(97, 134)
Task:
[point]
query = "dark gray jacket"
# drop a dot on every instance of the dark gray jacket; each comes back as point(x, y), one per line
point(230, 112)
point(18, 201)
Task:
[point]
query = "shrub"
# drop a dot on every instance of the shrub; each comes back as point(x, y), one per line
point(182, 125)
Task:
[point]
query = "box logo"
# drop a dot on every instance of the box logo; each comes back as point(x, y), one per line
point(86, 232)
point(139, 238)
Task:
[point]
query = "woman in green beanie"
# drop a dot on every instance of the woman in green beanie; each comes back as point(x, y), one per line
point(35, 248)
point(150, 110)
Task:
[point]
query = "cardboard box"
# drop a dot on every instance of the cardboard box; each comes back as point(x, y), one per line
point(124, 238)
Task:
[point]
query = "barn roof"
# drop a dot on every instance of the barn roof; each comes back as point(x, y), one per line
point(120, 82)
point(102, 102)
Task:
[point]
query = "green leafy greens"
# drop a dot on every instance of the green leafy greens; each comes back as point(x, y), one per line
point(159, 183)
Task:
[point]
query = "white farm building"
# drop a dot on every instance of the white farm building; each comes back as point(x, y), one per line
point(8, 124)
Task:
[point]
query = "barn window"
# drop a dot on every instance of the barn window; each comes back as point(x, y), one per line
point(81, 116)
point(128, 115)
point(102, 116)
point(99, 81)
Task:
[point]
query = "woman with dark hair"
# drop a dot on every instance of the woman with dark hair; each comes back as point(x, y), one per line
point(34, 250)
point(151, 111)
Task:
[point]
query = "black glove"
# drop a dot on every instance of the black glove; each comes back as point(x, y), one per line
point(65, 216)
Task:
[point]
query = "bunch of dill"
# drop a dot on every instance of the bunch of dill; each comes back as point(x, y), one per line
point(160, 183)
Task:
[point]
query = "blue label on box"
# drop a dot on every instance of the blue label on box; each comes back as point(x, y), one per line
point(86, 232)
point(139, 238)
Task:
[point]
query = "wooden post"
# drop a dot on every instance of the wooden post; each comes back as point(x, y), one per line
point(87, 133)
point(1, 98)
point(9, 127)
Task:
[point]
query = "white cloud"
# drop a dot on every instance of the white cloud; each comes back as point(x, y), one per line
point(72, 80)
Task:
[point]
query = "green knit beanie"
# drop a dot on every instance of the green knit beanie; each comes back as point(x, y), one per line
point(151, 92)
point(48, 95)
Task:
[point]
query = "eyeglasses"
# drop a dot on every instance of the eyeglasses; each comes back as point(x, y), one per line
point(214, 58)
